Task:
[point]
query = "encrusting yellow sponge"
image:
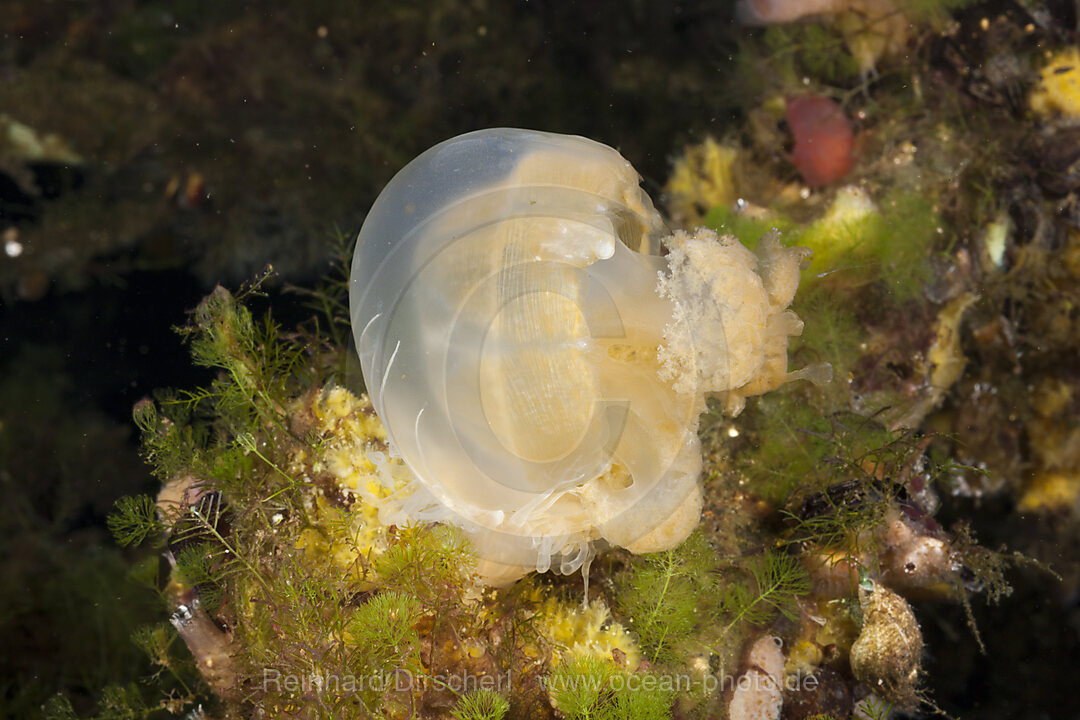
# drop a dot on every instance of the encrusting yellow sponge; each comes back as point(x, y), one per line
point(1058, 91)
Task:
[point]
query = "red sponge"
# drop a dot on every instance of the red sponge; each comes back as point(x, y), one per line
point(824, 141)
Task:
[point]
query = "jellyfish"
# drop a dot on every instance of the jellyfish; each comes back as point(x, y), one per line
point(539, 348)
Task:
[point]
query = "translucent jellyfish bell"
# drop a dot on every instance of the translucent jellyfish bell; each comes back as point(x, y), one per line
point(533, 364)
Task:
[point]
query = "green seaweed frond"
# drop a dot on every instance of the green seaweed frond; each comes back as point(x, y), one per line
point(257, 363)
point(864, 472)
point(215, 557)
point(134, 519)
point(832, 334)
point(205, 565)
point(776, 582)
point(155, 640)
point(214, 432)
point(385, 629)
point(663, 594)
point(481, 704)
point(158, 642)
point(146, 574)
point(646, 699)
point(837, 476)
point(585, 687)
point(749, 230)
point(875, 708)
point(220, 433)
point(170, 441)
point(904, 241)
point(431, 562)
point(845, 511)
point(302, 625)
point(581, 685)
point(785, 442)
point(889, 247)
point(810, 49)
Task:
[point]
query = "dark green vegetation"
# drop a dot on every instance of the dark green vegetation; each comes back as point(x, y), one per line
point(234, 544)
point(673, 596)
point(590, 688)
point(207, 434)
point(480, 705)
point(950, 154)
point(64, 580)
point(233, 540)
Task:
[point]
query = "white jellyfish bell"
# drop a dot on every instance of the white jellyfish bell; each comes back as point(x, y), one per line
point(537, 366)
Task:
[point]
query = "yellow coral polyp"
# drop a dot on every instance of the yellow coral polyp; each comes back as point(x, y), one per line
point(343, 537)
point(350, 431)
point(343, 414)
point(577, 631)
point(701, 179)
point(1058, 91)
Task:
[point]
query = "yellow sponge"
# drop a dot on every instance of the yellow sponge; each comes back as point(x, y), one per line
point(1058, 91)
